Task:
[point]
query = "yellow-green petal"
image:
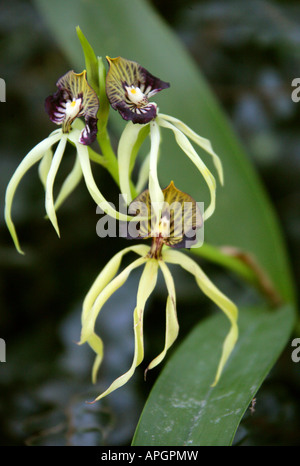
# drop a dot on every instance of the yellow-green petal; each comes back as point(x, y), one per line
point(44, 166)
point(49, 202)
point(84, 159)
point(102, 280)
point(125, 148)
point(69, 184)
point(143, 174)
point(107, 274)
point(31, 158)
point(187, 147)
point(172, 327)
point(146, 286)
point(89, 320)
point(208, 288)
point(204, 143)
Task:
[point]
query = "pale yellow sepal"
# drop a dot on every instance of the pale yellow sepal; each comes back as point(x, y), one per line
point(44, 166)
point(210, 290)
point(88, 334)
point(189, 150)
point(69, 184)
point(204, 143)
point(56, 160)
point(85, 164)
point(146, 286)
point(90, 317)
point(143, 174)
point(34, 156)
point(125, 148)
point(155, 191)
point(102, 280)
point(172, 327)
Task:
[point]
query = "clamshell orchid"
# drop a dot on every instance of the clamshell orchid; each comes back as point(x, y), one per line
point(163, 251)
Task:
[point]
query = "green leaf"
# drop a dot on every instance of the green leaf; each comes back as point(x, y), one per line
point(183, 408)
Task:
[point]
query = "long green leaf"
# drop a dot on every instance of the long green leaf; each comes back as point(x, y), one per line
point(183, 409)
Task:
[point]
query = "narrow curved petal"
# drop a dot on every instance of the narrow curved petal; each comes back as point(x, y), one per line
point(90, 317)
point(31, 158)
point(187, 147)
point(204, 143)
point(88, 334)
point(143, 174)
point(180, 218)
point(84, 159)
point(89, 133)
point(49, 203)
point(172, 327)
point(155, 191)
point(69, 184)
point(210, 290)
point(125, 148)
point(44, 166)
point(107, 274)
point(102, 280)
point(74, 98)
point(146, 286)
point(96, 344)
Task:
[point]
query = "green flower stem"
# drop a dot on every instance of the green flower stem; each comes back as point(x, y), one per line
point(108, 159)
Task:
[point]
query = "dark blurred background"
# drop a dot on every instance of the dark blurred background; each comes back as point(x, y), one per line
point(249, 53)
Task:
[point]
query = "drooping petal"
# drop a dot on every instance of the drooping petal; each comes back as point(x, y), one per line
point(102, 280)
point(184, 215)
point(146, 286)
point(125, 148)
point(187, 147)
point(89, 132)
point(204, 143)
point(44, 166)
point(227, 306)
point(84, 159)
point(31, 158)
point(90, 317)
point(150, 203)
point(49, 202)
point(69, 184)
point(129, 87)
point(172, 327)
point(143, 175)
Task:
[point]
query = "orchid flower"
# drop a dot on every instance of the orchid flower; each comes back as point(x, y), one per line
point(74, 99)
point(166, 236)
point(129, 87)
